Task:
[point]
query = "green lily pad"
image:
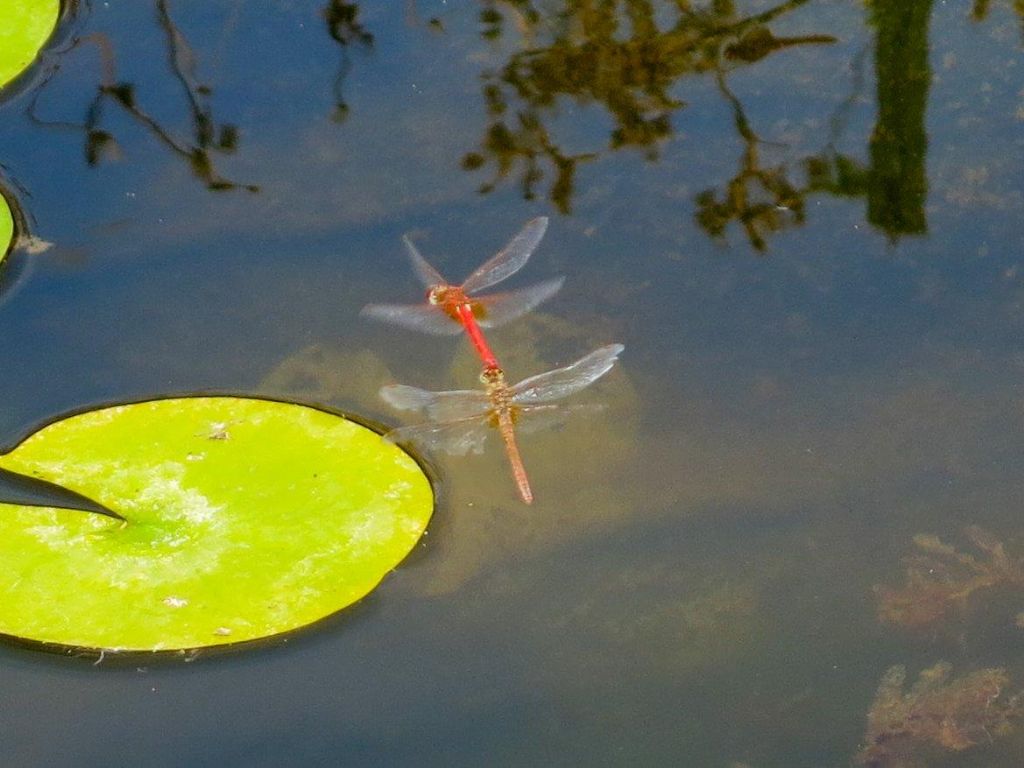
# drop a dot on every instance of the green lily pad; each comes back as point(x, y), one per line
point(6, 228)
point(25, 25)
point(246, 518)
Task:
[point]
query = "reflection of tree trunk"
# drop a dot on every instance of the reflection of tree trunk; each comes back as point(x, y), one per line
point(898, 184)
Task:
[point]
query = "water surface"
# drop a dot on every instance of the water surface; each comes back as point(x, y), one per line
point(803, 220)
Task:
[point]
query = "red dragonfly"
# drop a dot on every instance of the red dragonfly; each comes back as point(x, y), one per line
point(453, 308)
point(459, 419)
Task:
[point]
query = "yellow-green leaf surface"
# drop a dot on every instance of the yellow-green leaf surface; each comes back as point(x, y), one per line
point(6, 227)
point(246, 518)
point(24, 26)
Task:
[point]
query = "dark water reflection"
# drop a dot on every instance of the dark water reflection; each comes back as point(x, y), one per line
point(801, 218)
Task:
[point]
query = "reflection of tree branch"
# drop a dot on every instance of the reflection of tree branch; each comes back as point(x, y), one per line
point(759, 198)
point(614, 54)
point(530, 144)
point(345, 29)
point(100, 144)
point(831, 171)
point(894, 182)
point(759, 42)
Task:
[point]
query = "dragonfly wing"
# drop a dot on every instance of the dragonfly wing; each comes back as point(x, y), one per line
point(417, 317)
point(458, 404)
point(429, 276)
point(438, 406)
point(406, 398)
point(456, 438)
point(539, 418)
point(561, 382)
point(499, 308)
point(509, 259)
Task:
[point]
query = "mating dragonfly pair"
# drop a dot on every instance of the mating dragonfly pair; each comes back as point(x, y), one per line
point(459, 420)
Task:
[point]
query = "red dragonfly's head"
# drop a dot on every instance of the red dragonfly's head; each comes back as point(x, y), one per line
point(450, 298)
point(436, 295)
point(445, 295)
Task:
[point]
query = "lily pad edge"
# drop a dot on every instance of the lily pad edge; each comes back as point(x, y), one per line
point(21, 80)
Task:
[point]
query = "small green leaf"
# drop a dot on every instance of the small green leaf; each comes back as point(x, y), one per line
point(6, 228)
point(24, 26)
point(246, 518)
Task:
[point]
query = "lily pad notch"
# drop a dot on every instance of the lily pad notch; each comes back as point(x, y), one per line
point(247, 518)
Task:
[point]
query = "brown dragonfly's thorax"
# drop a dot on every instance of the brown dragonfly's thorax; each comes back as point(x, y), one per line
point(498, 391)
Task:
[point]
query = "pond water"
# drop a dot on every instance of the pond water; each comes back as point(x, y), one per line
point(803, 220)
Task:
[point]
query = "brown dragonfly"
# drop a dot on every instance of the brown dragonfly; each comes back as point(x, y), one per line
point(459, 420)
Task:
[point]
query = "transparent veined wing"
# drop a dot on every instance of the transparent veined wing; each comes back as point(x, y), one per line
point(406, 398)
point(429, 276)
point(561, 382)
point(438, 406)
point(456, 438)
point(509, 259)
point(538, 418)
point(500, 308)
point(426, 318)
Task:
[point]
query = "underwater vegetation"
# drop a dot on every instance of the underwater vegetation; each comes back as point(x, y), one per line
point(937, 712)
point(940, 712)
point(941, 579)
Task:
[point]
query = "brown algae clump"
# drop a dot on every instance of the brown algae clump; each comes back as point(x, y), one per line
point(941, 579)
point(937, 712)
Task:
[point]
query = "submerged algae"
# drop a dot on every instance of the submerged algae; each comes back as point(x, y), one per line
point(951, 714)
point(940, 578)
